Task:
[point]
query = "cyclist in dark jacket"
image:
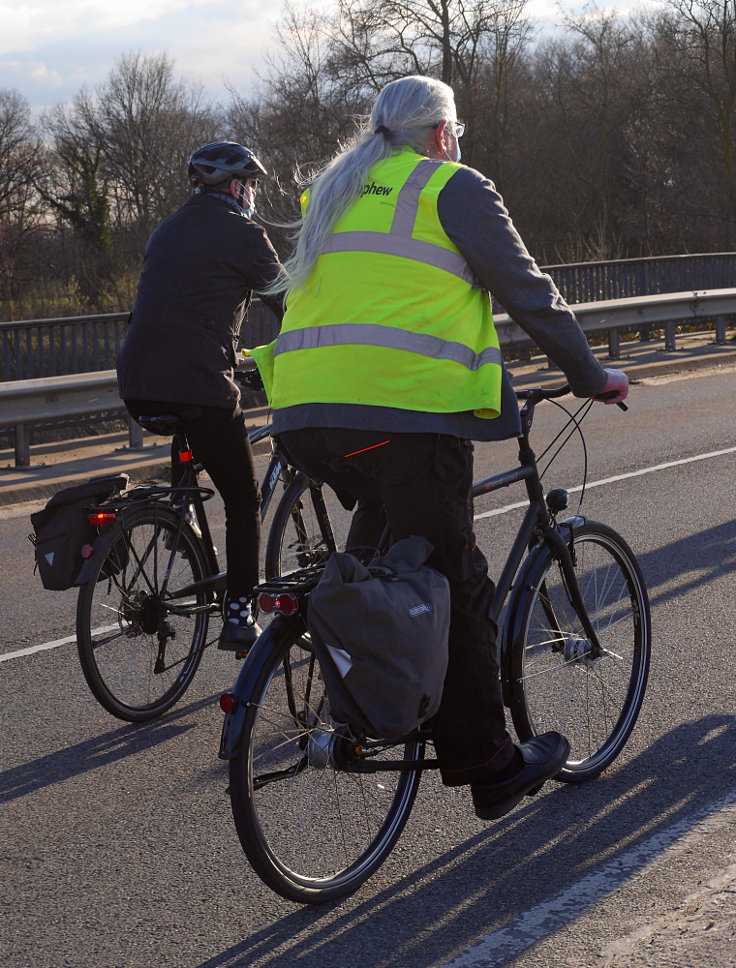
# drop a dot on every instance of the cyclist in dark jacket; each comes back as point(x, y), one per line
point(200, 269)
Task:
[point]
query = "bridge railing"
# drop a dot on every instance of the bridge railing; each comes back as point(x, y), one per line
point(24, 403)
point(35, 348)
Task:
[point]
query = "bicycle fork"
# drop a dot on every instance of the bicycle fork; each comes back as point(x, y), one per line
point(572, 588)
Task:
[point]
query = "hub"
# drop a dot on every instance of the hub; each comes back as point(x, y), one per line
point(144, 612)
point(330, 748)
point(577, 649)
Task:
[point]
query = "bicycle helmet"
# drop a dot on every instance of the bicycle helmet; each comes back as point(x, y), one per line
point(215, 162)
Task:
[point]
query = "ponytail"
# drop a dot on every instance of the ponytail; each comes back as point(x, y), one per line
point(403, 115)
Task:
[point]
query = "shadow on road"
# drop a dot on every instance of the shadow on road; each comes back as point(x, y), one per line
point(679, 567)
point(100, 751)
point(486, 883)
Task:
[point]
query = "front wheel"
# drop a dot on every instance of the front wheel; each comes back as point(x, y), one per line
point(301, 534)
point(556, 681)
point(314, 815)
point(139, 639)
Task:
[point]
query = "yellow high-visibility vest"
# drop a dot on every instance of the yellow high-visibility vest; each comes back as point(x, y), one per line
point(391, 315)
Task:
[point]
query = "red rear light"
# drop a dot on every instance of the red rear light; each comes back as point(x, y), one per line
point(284, 603)
point(227, 702)
point(185, 456)
point(100, 518)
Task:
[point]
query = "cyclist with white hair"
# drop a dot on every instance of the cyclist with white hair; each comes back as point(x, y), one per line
point(388, 365)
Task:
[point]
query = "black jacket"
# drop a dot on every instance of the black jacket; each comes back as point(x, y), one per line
point(200, 269)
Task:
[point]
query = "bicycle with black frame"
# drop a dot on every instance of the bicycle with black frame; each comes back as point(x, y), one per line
point(318, 806)
point(152, 580)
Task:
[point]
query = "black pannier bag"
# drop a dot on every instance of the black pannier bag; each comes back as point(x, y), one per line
point(380, 633)
point(61, 529)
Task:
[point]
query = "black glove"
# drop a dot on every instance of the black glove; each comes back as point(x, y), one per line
point(250, 378)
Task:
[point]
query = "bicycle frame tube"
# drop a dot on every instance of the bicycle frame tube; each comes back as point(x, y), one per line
point(534, 516)
point(276, 465)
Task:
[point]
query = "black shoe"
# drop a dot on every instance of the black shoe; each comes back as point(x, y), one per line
point(238, 638)
point(544, 756)
point(239, 630)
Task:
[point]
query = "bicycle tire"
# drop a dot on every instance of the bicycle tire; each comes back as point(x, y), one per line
point(554, 683)
point(140, 647)
point(310, 829)
point(301, 534)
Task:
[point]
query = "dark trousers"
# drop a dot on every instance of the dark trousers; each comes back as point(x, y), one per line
point(422, 484)
point(219, 441)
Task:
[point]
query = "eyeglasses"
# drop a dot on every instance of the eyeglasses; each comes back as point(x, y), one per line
point(459, 127)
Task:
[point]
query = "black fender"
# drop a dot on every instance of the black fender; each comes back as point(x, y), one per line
point(528, 576)
point(274, 640)
point(512, 626)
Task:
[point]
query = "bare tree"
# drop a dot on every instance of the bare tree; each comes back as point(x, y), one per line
point(75, 188)
point(305, 107)
point(696, 46)
point(451, 39)
point(330, 65)
point(20, 211)
point(145, 123)
point(591, 88)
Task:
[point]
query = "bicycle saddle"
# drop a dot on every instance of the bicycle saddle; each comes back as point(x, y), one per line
point(165, 424)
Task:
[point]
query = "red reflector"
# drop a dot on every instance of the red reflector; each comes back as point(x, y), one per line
point(185, 456)
point(284, 604)
point(227, 702)
point(87, 550)
point(102, 517)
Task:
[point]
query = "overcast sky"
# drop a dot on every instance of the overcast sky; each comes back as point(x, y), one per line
point(50, 48)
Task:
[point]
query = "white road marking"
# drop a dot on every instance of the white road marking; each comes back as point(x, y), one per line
point(485, 514)
point(38, 648)
point(50, 645)
point(613, 480)
point(551, 915)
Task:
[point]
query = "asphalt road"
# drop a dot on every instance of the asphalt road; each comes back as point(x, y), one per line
point(118, 846)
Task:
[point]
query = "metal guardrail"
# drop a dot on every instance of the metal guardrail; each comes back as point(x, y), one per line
point(24, 403)
point(79, 344)
point(27, 402)
point(34, 348)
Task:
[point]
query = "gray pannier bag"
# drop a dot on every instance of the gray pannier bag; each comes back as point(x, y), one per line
point(380, 633)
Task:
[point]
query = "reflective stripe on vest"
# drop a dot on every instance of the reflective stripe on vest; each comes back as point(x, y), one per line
point(368, 334)
point(398, 241)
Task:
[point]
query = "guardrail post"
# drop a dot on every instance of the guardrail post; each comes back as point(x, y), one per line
point(720, 331)
point(670, 340)
point(135, 434)
point(614, 344)
point(22, 446)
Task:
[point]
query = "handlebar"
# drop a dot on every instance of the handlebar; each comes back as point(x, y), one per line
point(535, 394)
point(540, 393)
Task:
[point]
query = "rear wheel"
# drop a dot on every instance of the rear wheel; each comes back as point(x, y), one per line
point(557, 683)
point(314, 817)
point(139, 639)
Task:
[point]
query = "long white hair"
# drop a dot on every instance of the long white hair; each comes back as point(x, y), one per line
point(403, 115)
